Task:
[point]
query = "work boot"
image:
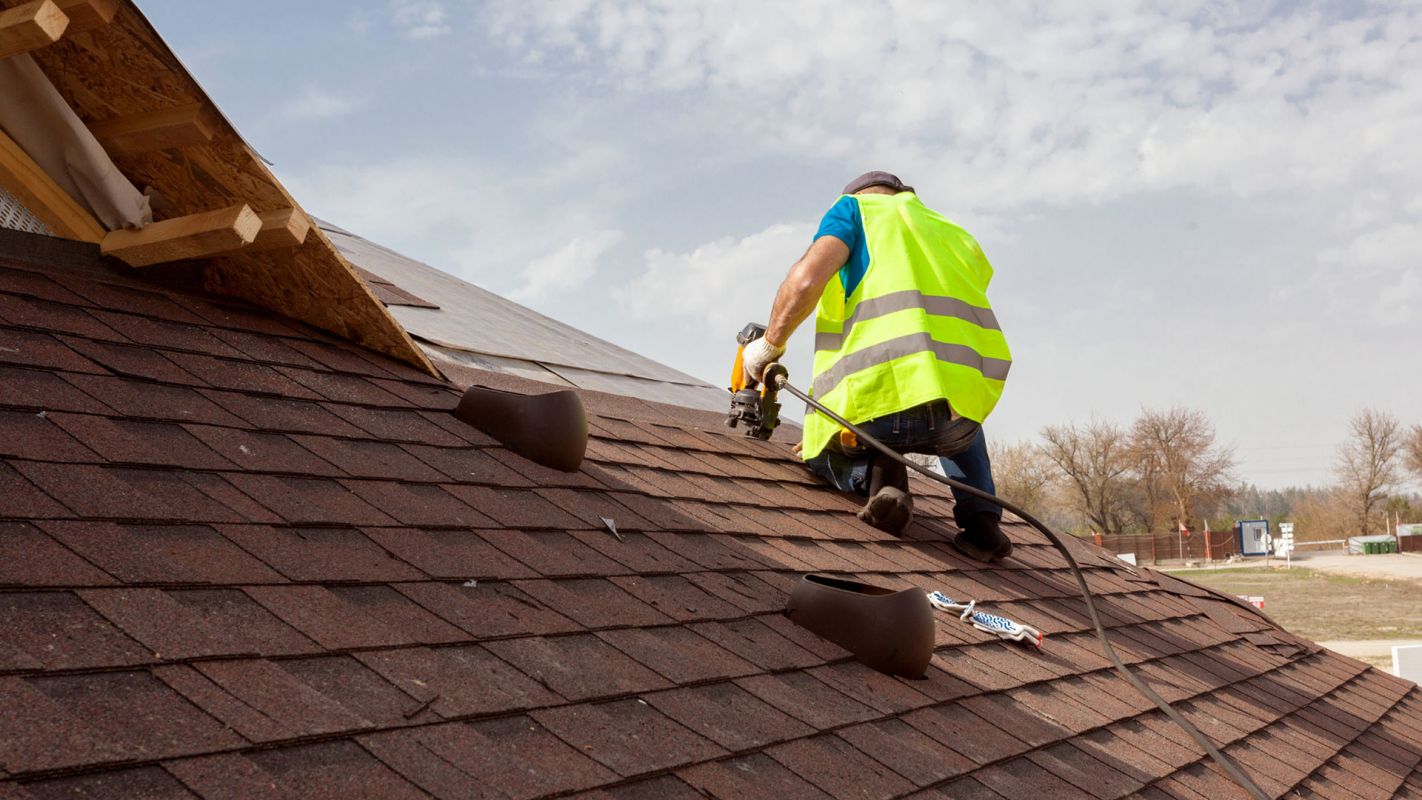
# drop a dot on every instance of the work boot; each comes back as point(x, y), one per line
point(982, 538)
point(890, 510)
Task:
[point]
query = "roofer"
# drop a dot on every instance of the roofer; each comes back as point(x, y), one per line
point(906, 347)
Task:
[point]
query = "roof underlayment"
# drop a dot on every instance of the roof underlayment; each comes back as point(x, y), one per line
point(473, 327)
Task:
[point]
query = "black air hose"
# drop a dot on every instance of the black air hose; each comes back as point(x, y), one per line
point(1226, 763)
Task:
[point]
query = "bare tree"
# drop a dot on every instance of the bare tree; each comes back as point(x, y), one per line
point(1094, 459)
point(1022, 474)
point(1412, 457)
point(1149, 494)
point(1367, 463)
point(1183, 474)
point(1323, 514)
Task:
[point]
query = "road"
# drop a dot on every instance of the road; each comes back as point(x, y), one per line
point(1380, 648)
point(1404, 566)
point(1377, 652)
point(1393, 565)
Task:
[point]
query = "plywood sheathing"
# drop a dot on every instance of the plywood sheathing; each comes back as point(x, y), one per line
point(123, 69)
point(86, 15)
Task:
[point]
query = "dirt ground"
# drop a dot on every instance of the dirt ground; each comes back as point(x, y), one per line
point(1371, 614)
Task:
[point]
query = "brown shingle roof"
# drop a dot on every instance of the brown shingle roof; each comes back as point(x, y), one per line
point(239, 558)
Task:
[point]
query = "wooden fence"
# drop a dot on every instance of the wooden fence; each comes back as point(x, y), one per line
point(1152, 548)
point(1409, 544)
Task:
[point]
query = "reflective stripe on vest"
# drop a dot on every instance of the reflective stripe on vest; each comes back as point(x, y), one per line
point(917, 328)
point(901, 301)
point(961, 354)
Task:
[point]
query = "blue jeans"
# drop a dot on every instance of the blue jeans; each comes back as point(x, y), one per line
point(927, 429)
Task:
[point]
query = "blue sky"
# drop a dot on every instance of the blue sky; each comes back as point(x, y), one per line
point(1212, 204)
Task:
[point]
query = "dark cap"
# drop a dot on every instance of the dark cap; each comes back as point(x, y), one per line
point(876, 178)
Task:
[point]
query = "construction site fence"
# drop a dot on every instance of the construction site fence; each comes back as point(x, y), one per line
point(1151, 548)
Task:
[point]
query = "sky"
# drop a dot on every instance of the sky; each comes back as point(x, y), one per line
point(1209, 204)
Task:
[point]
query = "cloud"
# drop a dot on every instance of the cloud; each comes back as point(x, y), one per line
point(458, 213)
point(316, 104)
point(437, 209)
point(1025, 103)
point(1394, 247)
point(1182, 199)
point(697, 300)
point(710, 282)
point(473, 210)
point(398, 201)
point(360, 21)
point(567, 268)
point(419, 19)
point(1376, 279)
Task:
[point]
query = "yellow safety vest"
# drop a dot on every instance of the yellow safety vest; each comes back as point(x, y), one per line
point(916, 328)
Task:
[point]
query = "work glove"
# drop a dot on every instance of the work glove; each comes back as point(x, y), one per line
point(758, 355)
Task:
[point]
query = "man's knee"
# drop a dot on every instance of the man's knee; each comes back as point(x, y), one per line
point(845, 473)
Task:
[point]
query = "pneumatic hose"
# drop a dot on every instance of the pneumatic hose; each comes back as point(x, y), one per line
point(1225, 762)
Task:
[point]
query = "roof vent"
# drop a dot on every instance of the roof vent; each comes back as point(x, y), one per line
point(890, 631)
point(549, 429)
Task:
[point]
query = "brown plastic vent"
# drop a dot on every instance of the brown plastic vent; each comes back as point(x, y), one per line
point(890, 631)
point(549, 429)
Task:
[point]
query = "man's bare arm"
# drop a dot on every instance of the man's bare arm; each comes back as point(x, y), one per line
point(801, 289)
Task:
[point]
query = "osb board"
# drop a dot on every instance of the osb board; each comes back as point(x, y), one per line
point(126, 68)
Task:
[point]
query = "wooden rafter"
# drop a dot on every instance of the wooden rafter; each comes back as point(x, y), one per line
point(180, 126)
point(284, 227)
point(210, 233)
point(28, 27)
point(86, 15)
point(53, 206)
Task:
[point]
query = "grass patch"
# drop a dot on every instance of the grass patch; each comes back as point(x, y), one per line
point(1322, 606)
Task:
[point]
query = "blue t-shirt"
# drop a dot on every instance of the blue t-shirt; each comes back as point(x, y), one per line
point(844, 222)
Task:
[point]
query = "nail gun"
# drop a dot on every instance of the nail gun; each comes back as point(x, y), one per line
point(754, 405)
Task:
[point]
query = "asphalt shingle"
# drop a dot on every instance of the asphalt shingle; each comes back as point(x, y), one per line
point(240, 558)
